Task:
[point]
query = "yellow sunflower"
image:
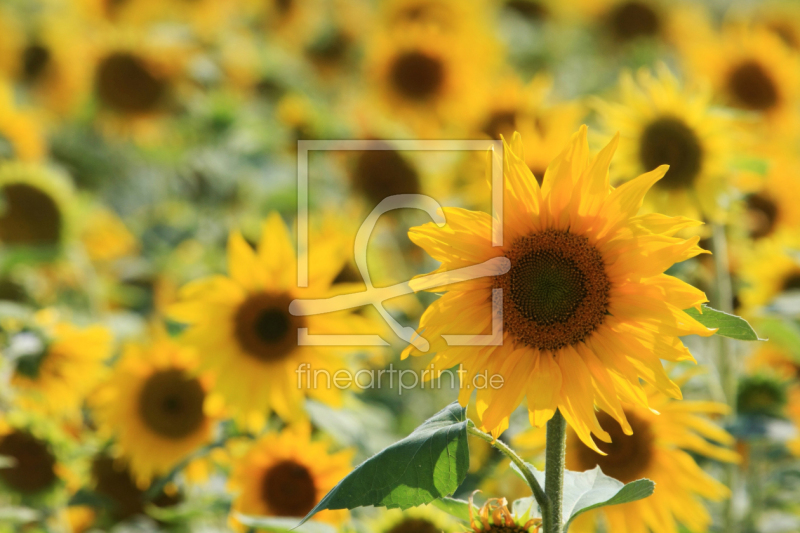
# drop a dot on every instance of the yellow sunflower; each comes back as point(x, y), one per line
point(769, 270)
point(494, 516)
point(156, 406)
point(59, 366)
point(659, 449)
point(751, 69)
point(244, 332)
point(662, 123)
point(587, 310)
point(106, 238)
point(36, 206)
point(287, 474)
point(447, 15)
point(422, 519)
point(770, 211)
point(21, 135)
point(428, 78)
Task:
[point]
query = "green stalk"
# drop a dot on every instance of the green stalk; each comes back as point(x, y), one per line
point(538, 493)
point(554, 470)
point(725, 356)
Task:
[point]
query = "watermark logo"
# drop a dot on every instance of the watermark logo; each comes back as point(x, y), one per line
point(375, 296)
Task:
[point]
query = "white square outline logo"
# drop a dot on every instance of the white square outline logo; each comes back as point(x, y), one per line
point(375, 296)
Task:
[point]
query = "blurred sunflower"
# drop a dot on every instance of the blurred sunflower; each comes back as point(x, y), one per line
point(662, 123)
point(775, 357)
point(36, 207)
point(156, 407)
point(287, 474)
point(662, 448)
point(106, 238)
point(770, 211)
point(447, 15)
point(762, 394)
point(58, 364)
point(494, 516)
point(244, 332)
point(21, 135)
point(36, 473)
point(428, 78)
point(287, 22)
point(588, 310)
point(422, 519)
point(769, 270)
point(751, 69)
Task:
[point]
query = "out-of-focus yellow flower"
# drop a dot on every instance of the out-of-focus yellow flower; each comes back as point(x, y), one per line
point(661, 122)
point(616, 315)
point(21, 135)
point(658, 449)
point(422, 519)
point(56, 378)
point(155, 405)
point(771, 211)
point(37, 206)
point(106, 238)
point(287, 474)
point(770, 269)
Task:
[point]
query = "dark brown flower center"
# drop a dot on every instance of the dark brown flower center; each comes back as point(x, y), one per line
point(288, 489)
point(669, 141)
point(629, 456)
point(171, 404)
point(34, 465)
point(264, 327)
point(414, 525)
point(416, 76)
point(630, 20)
point(35, 60)
point(119, 491)
point(379, 174)
point(28, 216)
point(124, 83)
point(501, 123)
point(762, 213)
point(556, 292)
point(530, 10)
point(791, 282)
point(752, 87)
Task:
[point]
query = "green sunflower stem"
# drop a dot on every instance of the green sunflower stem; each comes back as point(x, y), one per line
point(725, 356)
point(554, 470)
point(538, 494)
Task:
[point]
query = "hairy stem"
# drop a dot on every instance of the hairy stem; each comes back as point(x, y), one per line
point(554, 470)
point(538, 493)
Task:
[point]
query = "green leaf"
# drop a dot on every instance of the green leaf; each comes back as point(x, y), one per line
point(428, 464)
point(456, 508)
point(283, 525)
point(731, 326)
point(584, 491)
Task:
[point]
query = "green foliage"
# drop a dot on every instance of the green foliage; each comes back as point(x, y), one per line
point(428, 464)
point(456, 508)
point(731, 326)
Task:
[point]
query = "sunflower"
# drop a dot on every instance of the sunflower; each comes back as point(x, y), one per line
point(769, 270)
point(37, 206)
point(60, 365)
point(21, 135)
point(287, 474)
point(106, 238)
point(751, 69)
point(662, 123)
point(588, 310)
point(422, 519)
point(661, 448)
point(428, 78)
point(156, 406)
point(36, 473)
point(769, 211)
point(244, 332)
point(494, 516)
point(447, 15)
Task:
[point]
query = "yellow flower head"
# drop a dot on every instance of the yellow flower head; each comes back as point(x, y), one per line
point(56, 378)
point(422, 519)
point(21, 135)
point(287, 474)
point(659, 449)
point(155, 406)
point(662, 123)
point(769, 270)
point(494, 516)
point(243, 331)
point(587, 310)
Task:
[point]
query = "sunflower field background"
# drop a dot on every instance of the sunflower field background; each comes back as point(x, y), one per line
point(151, 372)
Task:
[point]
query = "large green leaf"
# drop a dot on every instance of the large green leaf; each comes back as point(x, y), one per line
point(428, 464)
point(731, 326)
point(584, 491)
